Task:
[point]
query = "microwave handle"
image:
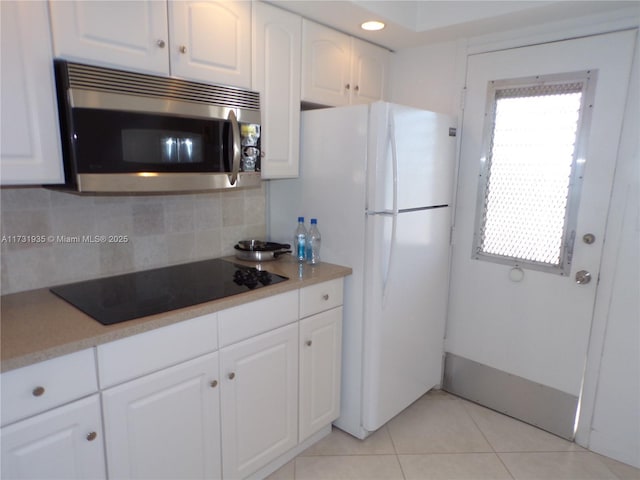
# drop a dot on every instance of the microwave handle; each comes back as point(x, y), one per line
point(235, 137)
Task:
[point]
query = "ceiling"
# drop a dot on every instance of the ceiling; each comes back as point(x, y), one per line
point(412, 23)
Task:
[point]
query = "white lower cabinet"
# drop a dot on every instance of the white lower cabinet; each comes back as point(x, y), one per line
point(166, 425)
point(65, 442)
point(259, 400)
point(320, 367)
point(173, 405)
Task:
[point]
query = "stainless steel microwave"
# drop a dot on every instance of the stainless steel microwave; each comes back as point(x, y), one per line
point(126, 132)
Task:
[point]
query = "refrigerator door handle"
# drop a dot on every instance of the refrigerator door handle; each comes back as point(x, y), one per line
point(394, 221)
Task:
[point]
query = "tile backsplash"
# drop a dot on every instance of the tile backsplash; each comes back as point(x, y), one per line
point(50, 238)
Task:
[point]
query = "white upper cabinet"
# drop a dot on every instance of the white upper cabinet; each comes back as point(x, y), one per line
point(199, 40)
point(341, 70)
point(30, 145)
point(211, 40)
point(277, 37)
point(369, 72)
point(128, 34)
point(326, 65)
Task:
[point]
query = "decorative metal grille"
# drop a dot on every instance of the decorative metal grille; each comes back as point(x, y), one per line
point(526, 181)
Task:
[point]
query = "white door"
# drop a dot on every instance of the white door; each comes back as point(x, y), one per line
point(118, 34)
point(66, 442)
point(211, 41)
point(528, 322)
point(166, 424)
point(320, 358)
point(259, 400)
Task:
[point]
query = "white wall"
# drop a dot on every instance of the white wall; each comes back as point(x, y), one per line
point(429, 77)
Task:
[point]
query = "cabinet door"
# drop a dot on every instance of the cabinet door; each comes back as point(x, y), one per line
point(211, 41)
point(259, 400)
point(30, 146)
point(369, 70)
point(276, 75)
point(320, 366)
point(66, 442)
point(128, 34)
point(166, 424)
point(326, 56)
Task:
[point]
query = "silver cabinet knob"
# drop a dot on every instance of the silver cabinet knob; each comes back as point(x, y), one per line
point(588, 238)
point(214, 383)
point(91, 436)
point(347, 86)
point(161, 43)
point(183, 49)
point(357, 88)
point(232, 376)
point(308, 343)
point(38, 391)
point(325, 297)
point(583, 277)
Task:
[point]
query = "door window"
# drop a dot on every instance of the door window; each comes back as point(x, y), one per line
point(531, 170)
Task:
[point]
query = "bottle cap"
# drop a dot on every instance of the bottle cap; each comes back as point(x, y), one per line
point(300, 219)
point(314, 221)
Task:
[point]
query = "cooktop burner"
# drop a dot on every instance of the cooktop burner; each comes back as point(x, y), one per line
point(132, 295)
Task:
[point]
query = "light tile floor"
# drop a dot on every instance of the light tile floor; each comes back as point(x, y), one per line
point(444, 437)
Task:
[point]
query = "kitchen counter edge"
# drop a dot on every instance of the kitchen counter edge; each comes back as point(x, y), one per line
point(36, 325)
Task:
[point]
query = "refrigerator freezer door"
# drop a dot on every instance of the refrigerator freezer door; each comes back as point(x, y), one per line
point(425, 154)
point(404, 329)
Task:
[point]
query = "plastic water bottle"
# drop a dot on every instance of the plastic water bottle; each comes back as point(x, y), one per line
point(300, 240)
point(313, 243)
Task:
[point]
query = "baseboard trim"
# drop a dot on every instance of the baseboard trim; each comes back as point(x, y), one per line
point(545, 407)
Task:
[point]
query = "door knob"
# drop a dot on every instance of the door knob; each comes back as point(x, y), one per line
point(583, 277)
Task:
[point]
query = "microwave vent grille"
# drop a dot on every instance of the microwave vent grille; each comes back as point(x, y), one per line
point(90, 77)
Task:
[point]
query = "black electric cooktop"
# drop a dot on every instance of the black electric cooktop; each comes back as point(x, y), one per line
point(132, 295)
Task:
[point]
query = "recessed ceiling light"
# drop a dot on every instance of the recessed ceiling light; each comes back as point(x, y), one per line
point(372, 25)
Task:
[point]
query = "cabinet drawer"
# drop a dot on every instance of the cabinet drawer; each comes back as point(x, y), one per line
point(253, 318)
point(321, 297)
point(150, 351)
point(36, 388)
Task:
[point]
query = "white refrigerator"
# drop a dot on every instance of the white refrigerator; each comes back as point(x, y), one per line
point(379, 179)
